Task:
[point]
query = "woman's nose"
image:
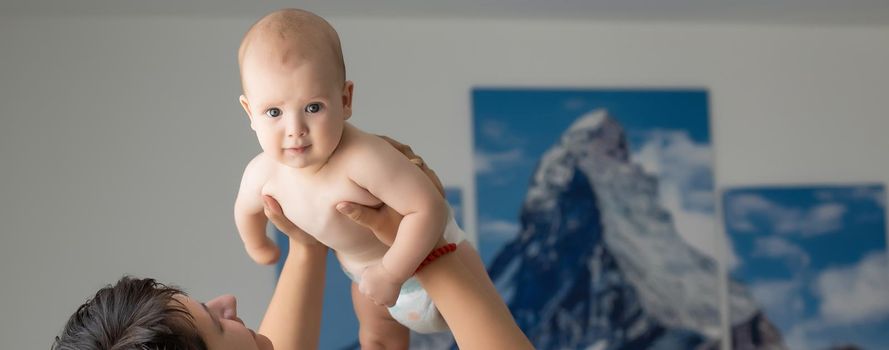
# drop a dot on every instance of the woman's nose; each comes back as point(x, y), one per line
point(226, 306)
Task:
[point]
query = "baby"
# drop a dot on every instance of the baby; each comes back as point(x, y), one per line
point(298, 100)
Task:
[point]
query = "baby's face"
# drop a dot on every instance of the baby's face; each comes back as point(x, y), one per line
point(298, 110)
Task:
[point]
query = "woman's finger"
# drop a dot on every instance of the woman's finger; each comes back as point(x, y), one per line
point(362, 215)
point(272, 205)
point(382, 221)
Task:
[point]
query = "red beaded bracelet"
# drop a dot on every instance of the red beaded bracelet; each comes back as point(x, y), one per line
point(437, 253)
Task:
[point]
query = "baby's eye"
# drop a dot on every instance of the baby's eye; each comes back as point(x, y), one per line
point(273, 112)
point(313, 108)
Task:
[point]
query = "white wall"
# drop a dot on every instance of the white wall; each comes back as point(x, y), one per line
point(121, 141)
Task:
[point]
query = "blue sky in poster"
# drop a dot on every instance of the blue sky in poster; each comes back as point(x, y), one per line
point(455, 199)
point(667, 130)
point(814, 258)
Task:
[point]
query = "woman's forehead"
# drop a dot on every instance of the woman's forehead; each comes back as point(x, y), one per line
point(194, 308)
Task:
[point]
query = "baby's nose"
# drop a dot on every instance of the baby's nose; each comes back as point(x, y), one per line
point(296, 128)
point(296, 132)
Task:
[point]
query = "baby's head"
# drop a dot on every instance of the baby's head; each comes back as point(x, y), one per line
point(295, 89)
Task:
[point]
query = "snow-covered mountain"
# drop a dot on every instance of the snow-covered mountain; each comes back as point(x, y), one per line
point(598, 263)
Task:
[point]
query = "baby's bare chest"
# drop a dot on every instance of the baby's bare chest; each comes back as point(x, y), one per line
point(311, 205)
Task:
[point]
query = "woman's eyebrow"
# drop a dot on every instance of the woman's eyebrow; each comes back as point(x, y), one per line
point(214, 318)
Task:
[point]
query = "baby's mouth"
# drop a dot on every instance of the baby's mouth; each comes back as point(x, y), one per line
point(297, 150)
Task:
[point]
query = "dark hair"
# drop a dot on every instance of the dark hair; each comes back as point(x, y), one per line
point(133, 314)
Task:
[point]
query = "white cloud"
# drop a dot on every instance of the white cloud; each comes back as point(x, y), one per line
point(858, 293)
point(696, 228)
point(780, 298)
point(732, 261)
point(776, 247)
point(672, 151)
point(489, 162)
point(684, 172)
point(674, 157)
point(848, 296)
point(648, 158)
point(799, 338)
point(499, 133)
point(871, 193)
point(499, 228)
point(823, 218)
point(739, 208)
point(685, 182)
point(875, 194)
point(820, 219)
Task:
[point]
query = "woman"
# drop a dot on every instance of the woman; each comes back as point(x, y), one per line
point(144, 314)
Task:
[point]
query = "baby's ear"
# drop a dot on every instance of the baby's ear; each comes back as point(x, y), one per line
point(348, 87)
point(246, 105)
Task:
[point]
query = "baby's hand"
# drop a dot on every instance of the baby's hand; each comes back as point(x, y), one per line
point(265, 253)
point(379, 285)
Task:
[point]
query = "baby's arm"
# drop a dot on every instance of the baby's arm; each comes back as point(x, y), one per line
point(249, 216)
point(388, 175)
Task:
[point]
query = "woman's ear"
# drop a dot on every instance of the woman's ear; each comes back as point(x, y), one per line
point(348, 87)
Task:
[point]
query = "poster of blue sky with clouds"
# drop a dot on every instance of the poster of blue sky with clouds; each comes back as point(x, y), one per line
point(814, 258)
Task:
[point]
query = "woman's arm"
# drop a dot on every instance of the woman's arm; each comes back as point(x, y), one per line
point(478, 319)
point(293, 317)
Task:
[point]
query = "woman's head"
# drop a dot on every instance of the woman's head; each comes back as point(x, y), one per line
point(220, 327)
point(132, 314)
point(144, 314)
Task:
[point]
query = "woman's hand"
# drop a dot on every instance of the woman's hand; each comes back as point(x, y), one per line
point(383, 221)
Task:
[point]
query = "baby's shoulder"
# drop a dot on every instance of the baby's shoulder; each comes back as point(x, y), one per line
point(260, 166)
point(256, 174)
point(359, 144)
